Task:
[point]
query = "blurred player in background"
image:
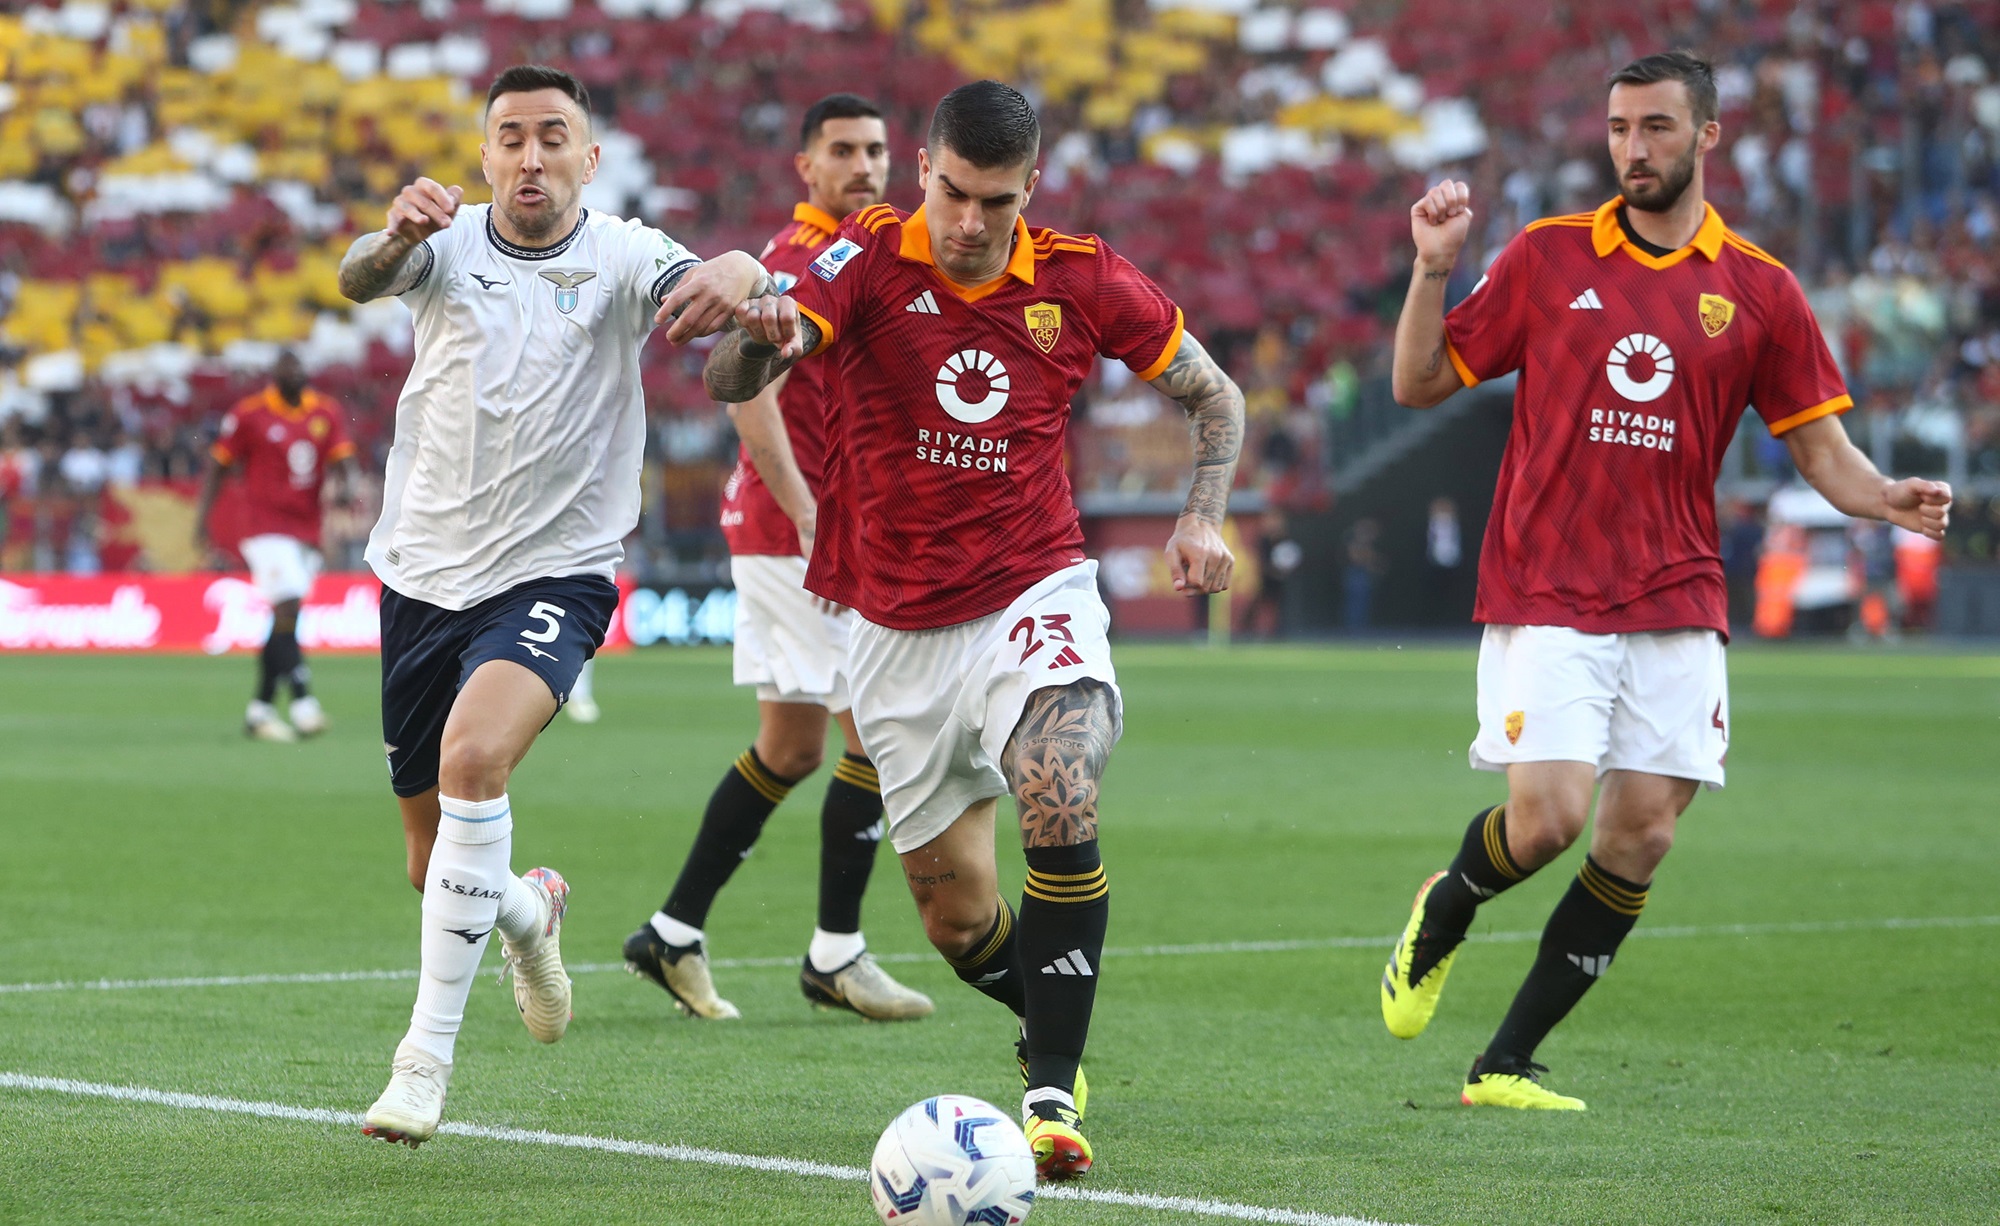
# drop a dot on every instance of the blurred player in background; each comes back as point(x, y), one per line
point(790, 644)
point(1641, 331)
point(286, 438)
point(979, 663)
point(513, 481)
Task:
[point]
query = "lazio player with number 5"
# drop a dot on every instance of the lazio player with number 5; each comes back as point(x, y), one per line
point(1641, 333)
point(979, 662)
point(513, 480)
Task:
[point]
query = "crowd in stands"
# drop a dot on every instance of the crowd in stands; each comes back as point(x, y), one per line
point(178, 180)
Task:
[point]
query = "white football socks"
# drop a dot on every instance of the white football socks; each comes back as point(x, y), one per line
point(462, 891)
point(830, 951)
point(520, 917)
point(673, 932)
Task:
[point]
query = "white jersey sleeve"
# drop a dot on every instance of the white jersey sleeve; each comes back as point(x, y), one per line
point(430, 263)
point(647, 262)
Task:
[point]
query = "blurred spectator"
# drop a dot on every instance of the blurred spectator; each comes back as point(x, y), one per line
point(1278, 558)
point(1364, 564)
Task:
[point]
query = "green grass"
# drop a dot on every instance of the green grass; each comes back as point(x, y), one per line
point(1259, 795)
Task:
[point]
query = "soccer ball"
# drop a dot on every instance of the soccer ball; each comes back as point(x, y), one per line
point(953, 1161)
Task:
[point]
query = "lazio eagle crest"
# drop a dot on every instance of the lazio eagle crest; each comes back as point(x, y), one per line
point(567, 283)
point(1044, 324)
point(1716, 312)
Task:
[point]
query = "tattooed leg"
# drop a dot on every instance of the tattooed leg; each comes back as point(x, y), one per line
point(1054, 762)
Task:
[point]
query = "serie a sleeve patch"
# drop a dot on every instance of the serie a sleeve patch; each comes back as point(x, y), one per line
point(835, 258)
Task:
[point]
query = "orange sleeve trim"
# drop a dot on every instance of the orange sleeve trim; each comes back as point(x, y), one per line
point(1168, 354)
point(1839, 404)
point(222, 455)
point(339, 452)
point(1584, 220)
point(874, 219)
point(1751, 249)
point(825, 328)
point(1458, 364)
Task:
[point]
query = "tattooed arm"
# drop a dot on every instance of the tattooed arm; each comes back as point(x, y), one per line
point(770, 340)
point(1054, 761)
point(381, 263)
point(1214, 405)
point(1439, 222)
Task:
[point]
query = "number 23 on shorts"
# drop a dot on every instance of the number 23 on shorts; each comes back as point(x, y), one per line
point(1055, 625)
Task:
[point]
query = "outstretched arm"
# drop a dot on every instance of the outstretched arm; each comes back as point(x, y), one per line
point(1439, 222)
point(380, 263)
point(1839, 471)
point(767, 338)
point(1214, 405)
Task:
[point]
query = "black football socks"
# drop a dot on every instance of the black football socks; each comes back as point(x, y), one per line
point(1065, 908)
point(1482, 869)
point(850, 829)
point(994, 963)
point(736, 814)
point(1583, 933)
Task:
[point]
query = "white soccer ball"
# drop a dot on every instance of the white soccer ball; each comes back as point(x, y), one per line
point(953, 1161)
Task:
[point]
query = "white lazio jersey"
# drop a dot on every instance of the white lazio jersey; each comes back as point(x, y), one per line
point(520, 433)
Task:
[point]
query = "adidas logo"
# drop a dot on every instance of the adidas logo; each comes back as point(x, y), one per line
point(1587, 301)
point(1593, 965)
point(1073, 963)
point(924, 305)
point(1066, 657)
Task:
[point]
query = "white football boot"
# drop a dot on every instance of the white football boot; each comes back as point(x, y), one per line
point(541, 986)
point(409, 1110)
point(261, 723)
point(307, 718)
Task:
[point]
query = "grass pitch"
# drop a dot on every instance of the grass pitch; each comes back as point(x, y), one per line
point(1278, 806)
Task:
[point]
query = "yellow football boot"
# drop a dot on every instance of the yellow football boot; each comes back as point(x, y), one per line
point(1523, 1091)
point(1060, 1150)
point(1407, 1006)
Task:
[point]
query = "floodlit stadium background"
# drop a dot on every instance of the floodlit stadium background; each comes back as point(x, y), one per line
point(177, 182)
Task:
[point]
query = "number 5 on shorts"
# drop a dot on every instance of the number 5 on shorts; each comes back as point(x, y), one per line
point(545, 613)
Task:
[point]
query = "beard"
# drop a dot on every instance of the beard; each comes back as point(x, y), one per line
point(539, 223)
point(1667, 187)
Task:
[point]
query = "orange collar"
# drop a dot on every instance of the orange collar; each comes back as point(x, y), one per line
point(276, 403)
point(1607, 236)
point(1021, 265)
point(816, 217)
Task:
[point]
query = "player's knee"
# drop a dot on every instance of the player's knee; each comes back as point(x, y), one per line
point(473, 769)
point(1634, 850)
point(1541, 828)
point(954, 934)
point(794, 759)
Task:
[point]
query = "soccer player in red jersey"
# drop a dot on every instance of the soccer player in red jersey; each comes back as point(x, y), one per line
point(1641, 333)
point(980, 666)
point(789, 644)
point(286, 438)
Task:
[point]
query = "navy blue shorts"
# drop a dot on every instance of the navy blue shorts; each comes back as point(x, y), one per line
point(551, 626)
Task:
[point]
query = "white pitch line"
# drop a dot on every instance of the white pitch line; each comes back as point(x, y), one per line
point(647, 1149)
point(1796, 928)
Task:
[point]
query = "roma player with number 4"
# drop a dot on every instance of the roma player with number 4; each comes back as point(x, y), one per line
point(1641, 333)
point(980, 664)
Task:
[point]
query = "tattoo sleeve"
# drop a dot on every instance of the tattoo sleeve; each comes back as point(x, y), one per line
point(382, 263)
point(1054, 761)
point(734, 376)
point(1214, 407)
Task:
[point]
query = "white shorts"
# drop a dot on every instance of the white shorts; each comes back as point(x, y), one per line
point(1655, 701)
point(786, 645)
point(935, 707)
point(281, 567)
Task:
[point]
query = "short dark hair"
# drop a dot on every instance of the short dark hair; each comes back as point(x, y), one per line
point(527, 78)
point(834, 106)
point(988, 124)
point(1693, 72)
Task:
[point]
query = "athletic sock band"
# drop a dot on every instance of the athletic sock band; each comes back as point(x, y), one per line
point(850, 834)
point(759, 776)
point(1065, 910)
point(737, 810)
point(1583, 935)
point(994, 965)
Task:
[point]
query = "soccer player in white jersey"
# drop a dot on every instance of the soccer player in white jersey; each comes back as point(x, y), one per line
point(1641, 331)
point(513, 479)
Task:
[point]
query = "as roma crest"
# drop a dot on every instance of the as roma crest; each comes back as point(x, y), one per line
point(1044, 324)
point(1716, 312)
point(1516, 720)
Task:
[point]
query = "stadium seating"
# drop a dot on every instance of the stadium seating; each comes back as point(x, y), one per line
point(178, 182)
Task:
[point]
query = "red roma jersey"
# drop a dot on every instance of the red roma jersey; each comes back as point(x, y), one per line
point(285, 452)
point(751, 518)
point(1635, 370)
point(946, 495)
